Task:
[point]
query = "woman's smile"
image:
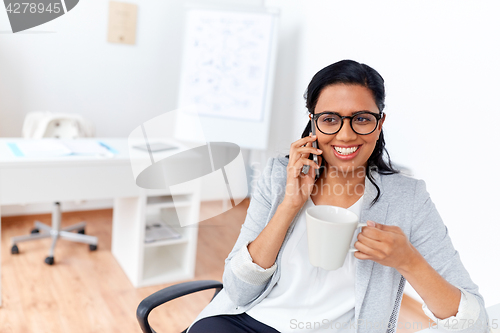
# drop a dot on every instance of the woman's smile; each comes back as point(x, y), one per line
point(346, 152)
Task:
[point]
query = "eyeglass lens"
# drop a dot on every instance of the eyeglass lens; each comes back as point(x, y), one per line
point(362, 123)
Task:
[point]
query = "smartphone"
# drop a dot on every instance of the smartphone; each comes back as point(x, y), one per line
point(305, 168)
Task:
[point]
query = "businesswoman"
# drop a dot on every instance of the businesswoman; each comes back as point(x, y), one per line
point(269, 284)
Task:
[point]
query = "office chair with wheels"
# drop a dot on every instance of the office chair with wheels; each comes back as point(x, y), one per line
point(65, 126)
point(167, 294)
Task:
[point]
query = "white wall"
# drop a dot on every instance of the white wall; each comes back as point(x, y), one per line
point(440, 61)
point(67, 65)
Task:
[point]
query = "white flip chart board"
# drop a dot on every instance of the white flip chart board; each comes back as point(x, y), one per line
point(227, 76)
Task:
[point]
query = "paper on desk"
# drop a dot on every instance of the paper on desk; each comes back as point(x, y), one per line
point(56, 147)
point(87, 148)
point(43, 148)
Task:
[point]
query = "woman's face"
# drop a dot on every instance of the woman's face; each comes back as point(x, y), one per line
point(346, 100)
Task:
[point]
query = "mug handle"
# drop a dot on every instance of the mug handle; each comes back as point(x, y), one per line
point(359, 226)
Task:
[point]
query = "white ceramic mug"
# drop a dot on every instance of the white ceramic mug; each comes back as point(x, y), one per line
point(329, 234)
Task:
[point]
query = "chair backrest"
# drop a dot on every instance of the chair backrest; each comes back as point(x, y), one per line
point(62, 128)
point(39, 125)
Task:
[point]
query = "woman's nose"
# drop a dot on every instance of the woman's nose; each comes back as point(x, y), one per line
point(346, 133)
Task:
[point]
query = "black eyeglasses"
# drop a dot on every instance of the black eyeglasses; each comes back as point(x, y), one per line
point(362, 122)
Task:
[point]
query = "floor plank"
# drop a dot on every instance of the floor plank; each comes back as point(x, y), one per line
point(88, 291)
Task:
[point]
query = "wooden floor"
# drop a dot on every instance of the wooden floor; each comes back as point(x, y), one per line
point(86, 292)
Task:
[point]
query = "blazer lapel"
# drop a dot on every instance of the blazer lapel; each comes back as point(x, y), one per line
point(376, 213)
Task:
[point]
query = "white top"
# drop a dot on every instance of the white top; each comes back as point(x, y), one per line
point(303, 295)
point(308, 298)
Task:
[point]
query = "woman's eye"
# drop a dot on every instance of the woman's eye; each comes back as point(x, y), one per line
point(329, 120)
point(362, 119)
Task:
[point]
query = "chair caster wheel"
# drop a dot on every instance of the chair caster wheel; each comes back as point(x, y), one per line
point(82, 232)
point(35, 231)
point(14, 249)
point(49, 260)
point(92, 247)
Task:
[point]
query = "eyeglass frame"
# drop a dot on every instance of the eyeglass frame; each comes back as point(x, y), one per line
point(377, 116)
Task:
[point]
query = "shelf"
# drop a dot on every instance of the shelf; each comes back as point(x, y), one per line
point(167, 201)
point(164, 262)
point(165, 216)
point(169, 217)
point(167, 242)
point(166, 259)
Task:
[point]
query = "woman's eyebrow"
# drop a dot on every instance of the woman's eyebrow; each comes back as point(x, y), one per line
point(360, 111)
point(354, 112)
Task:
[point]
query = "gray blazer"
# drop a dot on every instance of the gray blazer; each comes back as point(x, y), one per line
point(403, 202)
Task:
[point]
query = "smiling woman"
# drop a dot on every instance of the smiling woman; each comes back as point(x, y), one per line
point(269, 283)
point(346, 150)
point(344, 89)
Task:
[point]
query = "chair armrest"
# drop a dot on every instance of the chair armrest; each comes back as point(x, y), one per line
point(168, 294)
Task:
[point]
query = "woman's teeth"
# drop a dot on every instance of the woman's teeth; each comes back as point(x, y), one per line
point(346, 151)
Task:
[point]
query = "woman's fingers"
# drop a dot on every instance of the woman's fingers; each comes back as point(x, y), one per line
point(303, 151)
point(300, 152)
point(309, 149)
point(297, 167)
point(299, 185)
point(303, 141)
point(295, 154)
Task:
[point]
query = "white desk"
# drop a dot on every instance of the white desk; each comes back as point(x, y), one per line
point(26, 180)
point(35, 180)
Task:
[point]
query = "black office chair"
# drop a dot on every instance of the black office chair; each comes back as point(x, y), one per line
point(167, 294)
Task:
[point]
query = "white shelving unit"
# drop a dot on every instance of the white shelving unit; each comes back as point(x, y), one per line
point(161, 261)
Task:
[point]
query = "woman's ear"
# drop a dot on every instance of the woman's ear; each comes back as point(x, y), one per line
point(381, 121)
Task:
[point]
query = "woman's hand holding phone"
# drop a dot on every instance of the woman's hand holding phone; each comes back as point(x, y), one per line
point(299, 185)
point(264, 249)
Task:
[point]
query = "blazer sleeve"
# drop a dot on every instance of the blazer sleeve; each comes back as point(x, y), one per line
point(430, 236)
point(244, 280)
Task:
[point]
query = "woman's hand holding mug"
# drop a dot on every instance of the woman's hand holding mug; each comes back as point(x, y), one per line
point(299, 185)
point(387, 245)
